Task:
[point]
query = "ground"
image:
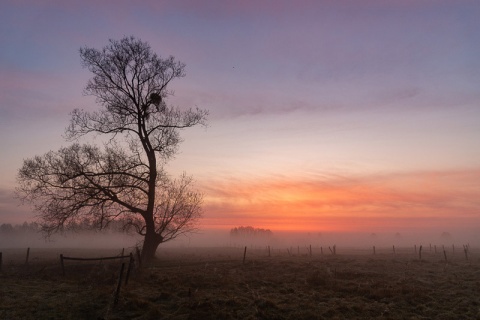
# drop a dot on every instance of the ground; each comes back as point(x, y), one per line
point(216, 283)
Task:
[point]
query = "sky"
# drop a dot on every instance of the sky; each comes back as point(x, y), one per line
point(347, 116)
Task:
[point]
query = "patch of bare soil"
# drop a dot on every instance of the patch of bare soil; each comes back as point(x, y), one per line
point(216, 284)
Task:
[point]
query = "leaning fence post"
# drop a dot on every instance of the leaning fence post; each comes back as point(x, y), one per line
point(465, 249)
point(334, 251)
point(117, 292)
point(61, 263)
point(130, 262)
point(28, 254)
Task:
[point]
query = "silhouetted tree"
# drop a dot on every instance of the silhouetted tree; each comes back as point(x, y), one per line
point(125, 178)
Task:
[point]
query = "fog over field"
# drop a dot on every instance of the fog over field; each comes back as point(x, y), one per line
point(72, 240)
point(278, 240)
point(283, 239)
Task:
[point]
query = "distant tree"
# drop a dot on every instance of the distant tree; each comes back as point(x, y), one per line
point(124, 179)
point(250, 232)
point(446, 236)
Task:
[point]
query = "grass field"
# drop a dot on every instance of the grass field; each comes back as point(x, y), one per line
point(214, 283)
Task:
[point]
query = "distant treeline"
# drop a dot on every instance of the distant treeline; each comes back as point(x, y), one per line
point(250, 232)
point(7, 228)
point(34, 227)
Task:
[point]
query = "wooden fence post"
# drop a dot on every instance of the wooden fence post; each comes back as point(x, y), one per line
point(394, 249)
point(28, 254)
point(465, 249)
point(420, 252)
point(334, 251)
point(373, 250)
point(0, 261)
point(117, 292)
point(130, 262)
point(244, 254)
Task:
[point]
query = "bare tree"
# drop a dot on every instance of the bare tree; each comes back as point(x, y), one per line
point(124, 180)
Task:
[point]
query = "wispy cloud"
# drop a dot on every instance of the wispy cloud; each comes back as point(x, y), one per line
point(32, 95)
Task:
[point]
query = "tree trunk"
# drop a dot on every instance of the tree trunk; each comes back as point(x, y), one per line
point(150, 244)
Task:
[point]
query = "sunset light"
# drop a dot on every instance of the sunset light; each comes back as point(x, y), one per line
point(382, 202)
point(323, 116)
point(240, 159)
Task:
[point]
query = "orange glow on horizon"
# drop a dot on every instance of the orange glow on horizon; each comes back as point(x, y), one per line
point(354, 204)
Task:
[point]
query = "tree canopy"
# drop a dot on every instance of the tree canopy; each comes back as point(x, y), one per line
point(124, 179)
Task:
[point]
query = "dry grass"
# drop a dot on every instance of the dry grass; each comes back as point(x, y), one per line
point(214, 284)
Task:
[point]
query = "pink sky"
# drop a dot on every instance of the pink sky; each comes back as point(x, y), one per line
point(325, 115)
